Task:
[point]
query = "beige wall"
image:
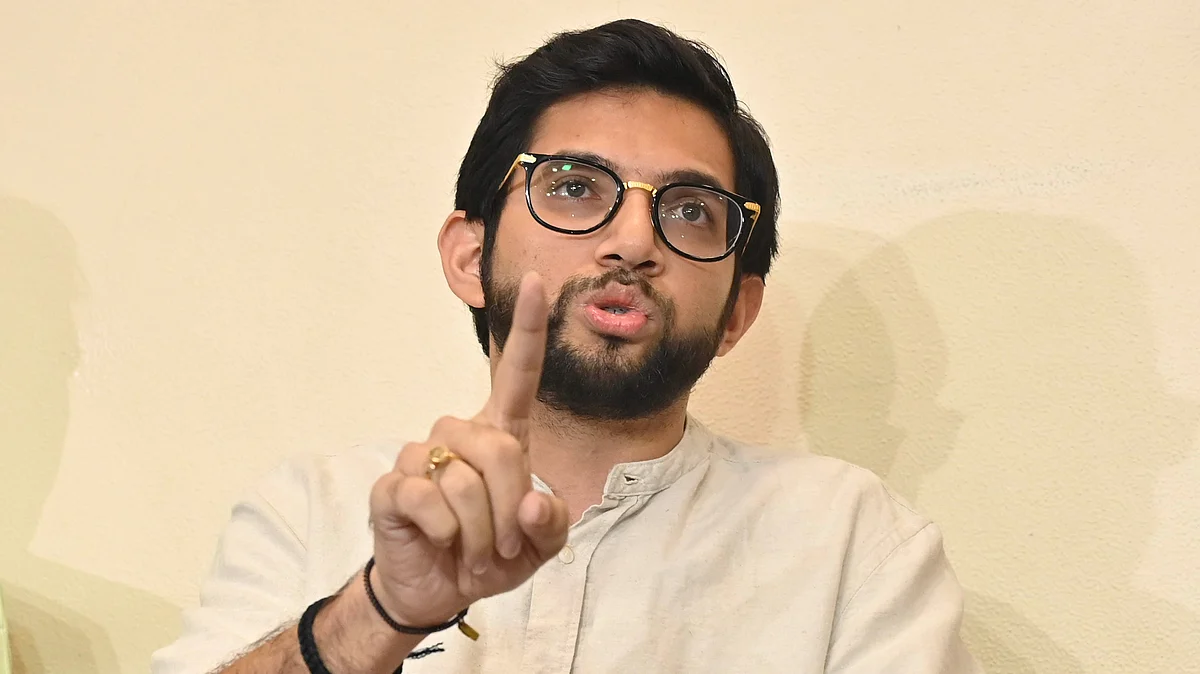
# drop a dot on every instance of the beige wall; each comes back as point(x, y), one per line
point(217, 248)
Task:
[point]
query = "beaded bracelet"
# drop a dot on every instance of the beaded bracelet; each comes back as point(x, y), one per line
point(404, 629)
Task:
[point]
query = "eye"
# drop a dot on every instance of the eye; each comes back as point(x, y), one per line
point(575, 189)
point(571, 187)
point(694, 212)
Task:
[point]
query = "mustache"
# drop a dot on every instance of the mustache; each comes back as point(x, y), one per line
point(500, 300)
point(578, 285)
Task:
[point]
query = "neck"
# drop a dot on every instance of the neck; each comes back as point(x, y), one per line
point(574, 455)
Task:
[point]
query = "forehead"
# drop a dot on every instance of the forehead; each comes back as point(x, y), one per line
point(643, 134)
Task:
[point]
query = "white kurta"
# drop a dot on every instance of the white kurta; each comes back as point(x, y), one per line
point(718, 557)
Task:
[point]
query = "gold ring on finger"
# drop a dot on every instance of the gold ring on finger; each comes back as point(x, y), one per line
point(438, 458)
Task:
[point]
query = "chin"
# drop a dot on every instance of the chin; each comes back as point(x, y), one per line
point(608, 356)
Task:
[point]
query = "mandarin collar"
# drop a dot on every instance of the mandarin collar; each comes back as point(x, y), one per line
point(647, 477)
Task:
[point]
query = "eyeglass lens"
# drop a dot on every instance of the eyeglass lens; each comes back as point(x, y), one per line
point(577, 197)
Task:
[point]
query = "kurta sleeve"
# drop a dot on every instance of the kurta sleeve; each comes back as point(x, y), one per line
point(256, 583)
point(905, 616)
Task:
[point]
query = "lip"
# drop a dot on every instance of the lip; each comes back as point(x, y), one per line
point(628, 324)
point(623, 296)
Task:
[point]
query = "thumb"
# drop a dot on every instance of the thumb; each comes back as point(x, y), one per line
point(543, 519)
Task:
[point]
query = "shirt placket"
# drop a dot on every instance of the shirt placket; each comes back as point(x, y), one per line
point(556, 601)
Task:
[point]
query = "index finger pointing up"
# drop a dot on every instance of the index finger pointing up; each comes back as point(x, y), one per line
point(519, 370)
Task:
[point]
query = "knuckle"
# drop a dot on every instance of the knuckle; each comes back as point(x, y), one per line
point(444, 425)
point(460, 485)
point(381, 491)
point(499, 445)
point(411, 496)
point(477, 441)
point(443, 534)
point(404, 456)
point(508, 447)
point(481, 429)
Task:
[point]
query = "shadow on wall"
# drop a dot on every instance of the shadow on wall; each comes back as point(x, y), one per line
point(61, 619)
point(1035, 332)
point(872, 363)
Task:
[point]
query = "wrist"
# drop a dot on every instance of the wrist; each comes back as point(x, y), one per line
point(385, 609)
point(351, 637)
point(411, 628)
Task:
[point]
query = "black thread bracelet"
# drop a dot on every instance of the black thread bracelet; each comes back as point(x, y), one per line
point(405, 629)
point(308, 645)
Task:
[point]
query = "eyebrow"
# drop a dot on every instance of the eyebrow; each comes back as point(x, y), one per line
point(665, 178)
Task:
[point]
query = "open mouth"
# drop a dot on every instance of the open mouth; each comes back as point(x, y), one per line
point(618, 310)
point(616, 317)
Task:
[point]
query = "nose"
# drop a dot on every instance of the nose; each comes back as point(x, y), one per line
point(629, 239)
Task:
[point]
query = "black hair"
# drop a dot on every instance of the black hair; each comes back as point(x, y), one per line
point(623, 54)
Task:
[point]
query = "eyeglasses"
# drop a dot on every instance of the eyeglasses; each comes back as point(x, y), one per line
point(576, 196)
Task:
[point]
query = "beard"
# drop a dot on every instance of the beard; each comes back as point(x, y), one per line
point(608, 385)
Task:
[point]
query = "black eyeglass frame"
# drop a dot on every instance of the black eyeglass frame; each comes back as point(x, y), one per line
point(531, 160)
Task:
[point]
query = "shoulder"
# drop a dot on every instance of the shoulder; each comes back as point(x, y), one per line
point(351, 468)
point(307, 490)
point(830, 502)
point(796, 474)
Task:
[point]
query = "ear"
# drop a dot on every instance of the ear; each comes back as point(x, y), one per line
point(461, 244)
point(745, 310)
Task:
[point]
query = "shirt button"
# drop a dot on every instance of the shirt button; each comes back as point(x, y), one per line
point(566, 555)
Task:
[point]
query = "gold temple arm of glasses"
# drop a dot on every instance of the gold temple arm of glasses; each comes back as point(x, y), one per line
point(522, 158)
point(756, 210)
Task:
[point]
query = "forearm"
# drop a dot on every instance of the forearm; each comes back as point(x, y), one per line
point(349, 635)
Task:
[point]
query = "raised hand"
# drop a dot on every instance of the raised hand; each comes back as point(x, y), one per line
point(475, 527)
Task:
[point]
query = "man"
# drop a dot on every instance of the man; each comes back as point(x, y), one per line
point(615, 221)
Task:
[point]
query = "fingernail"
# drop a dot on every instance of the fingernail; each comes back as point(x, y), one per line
point(510, 548)
point(480, 568)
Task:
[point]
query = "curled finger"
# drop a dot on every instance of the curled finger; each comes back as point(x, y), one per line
point(466, 494)
point(499, 458)
point(401, 504)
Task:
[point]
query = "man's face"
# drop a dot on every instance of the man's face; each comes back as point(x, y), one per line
point(633, 325)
